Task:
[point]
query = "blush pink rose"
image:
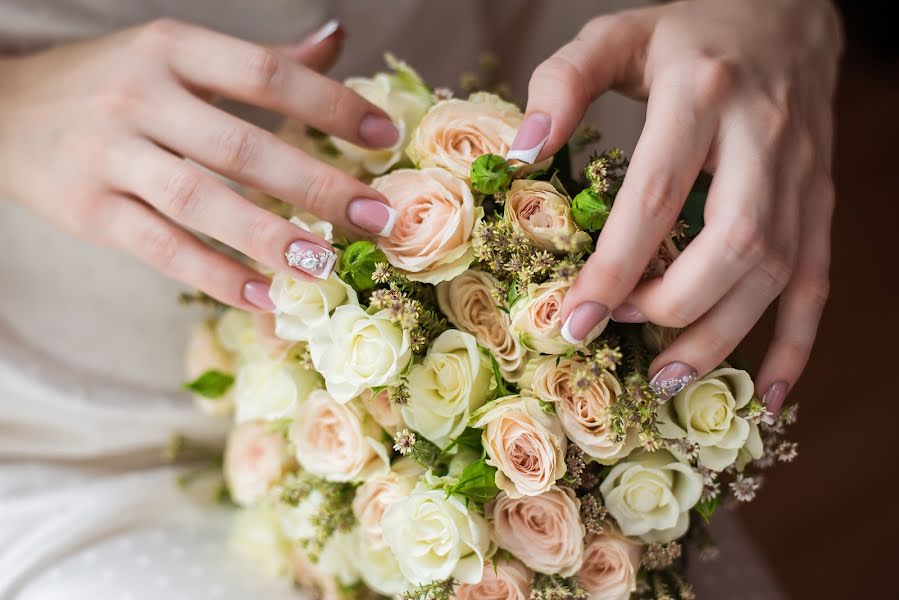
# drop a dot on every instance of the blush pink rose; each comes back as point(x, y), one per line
point(375, 495)
point(544, 215)
point(255, 459)
point(537, 319)
point(504, 580)
point(611, 562)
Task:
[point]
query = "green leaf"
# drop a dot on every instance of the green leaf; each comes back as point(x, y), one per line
point(470, 438)
point(477, 483)
point(212, 384)
point(706, 508)
point(547, 407)
point(501, 388)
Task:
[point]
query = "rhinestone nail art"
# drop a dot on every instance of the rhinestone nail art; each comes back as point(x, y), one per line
point(311, 258)
point(671, 387)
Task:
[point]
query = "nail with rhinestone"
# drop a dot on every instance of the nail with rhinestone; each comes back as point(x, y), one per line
point(671, 379)
point(311, 258)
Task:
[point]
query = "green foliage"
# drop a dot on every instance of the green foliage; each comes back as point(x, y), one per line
point(706, 508)
point(212, 384)
point(590, 210)
point(490, 174)
point(477, 483)
point(358, 263)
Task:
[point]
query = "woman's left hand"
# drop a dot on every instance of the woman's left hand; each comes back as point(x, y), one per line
point(743, 90)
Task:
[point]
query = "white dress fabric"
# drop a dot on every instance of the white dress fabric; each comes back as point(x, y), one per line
point(91, 341)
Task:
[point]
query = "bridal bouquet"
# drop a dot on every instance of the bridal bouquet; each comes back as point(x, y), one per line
point(418, 424)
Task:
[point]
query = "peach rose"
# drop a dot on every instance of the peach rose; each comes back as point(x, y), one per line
point(611, 562)
point(524, 443)
point(503, 580)
point(584, 411)
point(537, 319)
point(255, 459)
point(467, 303)
point(375, 495)
point(382, 409)
point(455, 132)
point(431, 240)
point(544, 531)
point(544, 215)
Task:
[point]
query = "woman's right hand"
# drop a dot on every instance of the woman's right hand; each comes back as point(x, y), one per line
point(95, 137)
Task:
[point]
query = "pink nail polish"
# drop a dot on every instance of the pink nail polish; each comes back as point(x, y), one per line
point(775, 396)
point(628, 313)
point(378, 131)
point(256, 293)
point(311, 258)
point(324, 32)
point(372, 216)
point(531, 137)
point(671, 379)
point(582, 320)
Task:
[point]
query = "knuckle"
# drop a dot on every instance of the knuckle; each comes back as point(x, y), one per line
point(263, 234)
point(181, 195)
point(342, 102)
point(776, 271)
point(716, 344)
point(814, 292)
point(120, 99)
point(238, 148)
point(158, 35)
point(656, 198)
point(315, 195)
point(562, 73)
point(806, 149)
point(774, 117)
point(713, 78)
point(159, 247)
point(263, 70)
point(745, 242)
point(674, 314)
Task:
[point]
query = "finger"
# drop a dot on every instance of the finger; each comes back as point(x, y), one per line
point(196, 200)
point(608, 52)
point(261, 76)
point(672, 149)
point(802, 303)
point(259, 159)
point(320, 50)
point(135, 228)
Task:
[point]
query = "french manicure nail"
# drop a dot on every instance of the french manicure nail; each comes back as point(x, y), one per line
point(774, 399)
point(582, 320)
point(531, 137)
point(671, 379)
point(372, 216)
point(628, 313)
point(256, 293)
point(324, 32)
point(310, 258)
point(378, 130)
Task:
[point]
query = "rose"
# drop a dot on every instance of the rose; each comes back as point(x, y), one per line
point(375, 495)
point(431, 240)
point(302, 308)
point(505, 579)
point(314, 144)
point(405, 98)
point(296, 520)
point(468, 304)
point(309, 577)
point(584, 410)
point(435, 537)
point(650, 495)
point(611, 562)
point(256, 538)
point(205, 352)
point(456, 132)
point(255, 459)
point(359, 351)
point(251, 337)
point(380, 570)
point(544, 531)
point(524, 443)
point(537, 319)
point(269, 390)
point(539, 211)
point(339, 555)
point(338, 442)
point(453, 380)
point(665, 255)
point(706, 412)
point(382, 409)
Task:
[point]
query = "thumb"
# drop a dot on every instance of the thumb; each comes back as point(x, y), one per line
point(319, 51)
point(608, 53)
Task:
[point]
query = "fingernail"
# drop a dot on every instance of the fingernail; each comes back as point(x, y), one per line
point(324, 32)
point(671, 379)
point(582, 320)
point(628, 313)
point(378, 130)
point(372, 216)
point(310, 258)
point(531, 136)
point(256, 293)
point(774, 399)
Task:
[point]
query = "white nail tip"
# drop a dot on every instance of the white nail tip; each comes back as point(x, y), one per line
point(329, 266)
point(392, 216)
point(566, 333)
point(527, 156)
point(324, 32)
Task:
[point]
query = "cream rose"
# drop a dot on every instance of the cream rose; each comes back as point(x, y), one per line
point(269, 390)
point(502, 580)
point(359, 351)
point(544, 531)
point(611, 563)
point(467, 303)
point(544, 215)
point(205, 352)
point(296, 521)
point(431, 240)
point(380, 570)
point(339, 557)
point(256, 538)
point(537, 319)
point(584, 411)
point(435, 537)
point(302, 308)
point(338, 442)
point(456, 132)
point(255, 459)
point(524, 443)
point(453, 381)
point(705, 412)
point(375, 495)
point(650, 495)
point(405, 98)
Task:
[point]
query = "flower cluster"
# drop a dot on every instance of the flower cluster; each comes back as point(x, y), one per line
point(415, 425)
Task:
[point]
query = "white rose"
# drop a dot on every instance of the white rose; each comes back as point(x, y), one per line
point(205, 352)
point(339, 557)
point(611, 563)
point(650, 495)
point(453, 381)
point(338, 442)
point(375, 495)
point(302, 308)
point(296, 521)
point(435, 537)
point(271, 390)
point(256, 538)
point(359, 351)
point(537, 319)
point(235, 330)
point(380, 570)
point(255, 459)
